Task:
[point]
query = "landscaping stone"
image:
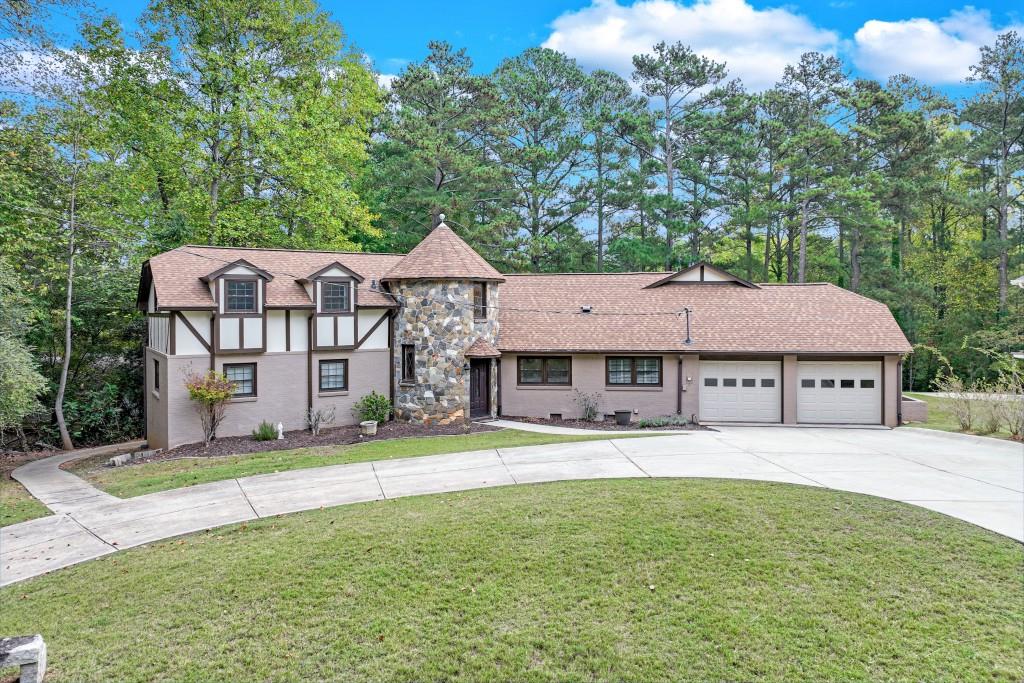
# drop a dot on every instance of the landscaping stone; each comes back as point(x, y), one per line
point(26, 652)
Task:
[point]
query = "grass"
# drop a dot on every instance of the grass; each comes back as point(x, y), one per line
point(17, 504)
point(941, 417)
point(618, 580)
point(136, 480)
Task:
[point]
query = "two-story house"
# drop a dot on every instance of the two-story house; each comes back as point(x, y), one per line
point(449, 338)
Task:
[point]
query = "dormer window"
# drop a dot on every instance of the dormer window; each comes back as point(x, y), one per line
point(336, 297)
point(240, 296)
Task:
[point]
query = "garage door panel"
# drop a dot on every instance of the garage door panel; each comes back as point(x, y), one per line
point(839, 392)
point(740, 391)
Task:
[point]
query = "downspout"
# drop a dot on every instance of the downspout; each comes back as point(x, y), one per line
point(309, 365)
point(899, 394)
point(392, 361)
point(679, 386)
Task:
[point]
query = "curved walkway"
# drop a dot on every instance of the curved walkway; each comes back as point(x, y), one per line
point(975, 479)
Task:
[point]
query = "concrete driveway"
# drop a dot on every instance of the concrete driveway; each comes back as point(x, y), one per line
point(975, 479)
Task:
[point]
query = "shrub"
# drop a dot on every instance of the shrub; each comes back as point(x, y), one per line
point(662, 421)
point(590, 405)
point(959, 399)
point(210, 392)
point(992, 407)
point(373, 406)
point(266, 431)
point(316, 418)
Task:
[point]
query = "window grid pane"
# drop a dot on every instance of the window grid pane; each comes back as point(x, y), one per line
point(241, 296)
point(729, 382)
point(648, 371)
point(828, 384)
point(867, 384)
point(711, 381)
point(531, 371)
point(242, 376)
point(620, 371)
point(332, 375)
point(335, 297)
point(747, 382)
point(557, 370)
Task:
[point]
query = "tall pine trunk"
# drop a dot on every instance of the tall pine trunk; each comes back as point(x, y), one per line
point(58, 404)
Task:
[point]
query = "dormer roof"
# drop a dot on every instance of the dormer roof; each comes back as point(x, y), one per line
point(336, 266)
point(235, 266)
point(443, 255)
point(702, 271)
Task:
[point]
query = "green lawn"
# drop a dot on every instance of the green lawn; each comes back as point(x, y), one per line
point(941, 417)
point(17, 504)
point(633, 580)
point(136, 480)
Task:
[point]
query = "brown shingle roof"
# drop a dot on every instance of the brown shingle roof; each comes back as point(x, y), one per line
point(177, 273)
point(811, 318)
point(443, 255)
point(482, 348)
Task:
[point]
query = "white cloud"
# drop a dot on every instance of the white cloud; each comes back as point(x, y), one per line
point(385, 80)
point(756, 44)
point(935, 51)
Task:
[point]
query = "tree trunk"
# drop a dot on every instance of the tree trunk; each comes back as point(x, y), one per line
point(855, 260)
point(1004, 261)
point(600, 212)
point(804, 217)
point(669, 185)
point(58, 405)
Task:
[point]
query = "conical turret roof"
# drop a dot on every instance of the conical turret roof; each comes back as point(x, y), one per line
point(443, 255)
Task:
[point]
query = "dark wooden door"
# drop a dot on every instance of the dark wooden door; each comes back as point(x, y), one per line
point(479, 388)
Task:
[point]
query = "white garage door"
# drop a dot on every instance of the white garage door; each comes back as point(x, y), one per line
point(740, 391)
point(839, 392)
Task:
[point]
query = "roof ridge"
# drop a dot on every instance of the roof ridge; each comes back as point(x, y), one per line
point(303, 251)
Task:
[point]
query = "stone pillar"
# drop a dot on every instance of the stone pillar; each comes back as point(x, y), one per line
point(493, 388)
point(789, 386)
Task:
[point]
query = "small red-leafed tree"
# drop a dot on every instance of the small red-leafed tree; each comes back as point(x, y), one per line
point(210, 392)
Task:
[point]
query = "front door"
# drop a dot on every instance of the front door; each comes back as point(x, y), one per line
point(479, 388)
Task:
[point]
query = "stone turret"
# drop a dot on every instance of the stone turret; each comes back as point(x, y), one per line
point(440, 286)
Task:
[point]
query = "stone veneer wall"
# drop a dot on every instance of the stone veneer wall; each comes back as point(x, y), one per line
point(437, 317)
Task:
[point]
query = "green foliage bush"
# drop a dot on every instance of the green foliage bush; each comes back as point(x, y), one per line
point(373, 406)
point(662, 421)
point(265, 431)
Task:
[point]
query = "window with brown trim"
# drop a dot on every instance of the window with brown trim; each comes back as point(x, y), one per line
point(335, 297)
point(545, 370)
point(633, 371)
point(239, 296)
point(408, 363)
point(243, 376)
point(334, 375)
point(480, 301)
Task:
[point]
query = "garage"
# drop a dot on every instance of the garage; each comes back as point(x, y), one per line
point(839, 392)
point(740, 391)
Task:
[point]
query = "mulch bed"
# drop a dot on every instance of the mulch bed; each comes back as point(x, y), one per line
point(607, 425)
point(336, 436)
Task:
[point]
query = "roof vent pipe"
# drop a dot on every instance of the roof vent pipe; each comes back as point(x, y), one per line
point(585, 309)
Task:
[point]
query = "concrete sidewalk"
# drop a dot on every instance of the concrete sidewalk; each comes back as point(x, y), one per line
point(975, 479)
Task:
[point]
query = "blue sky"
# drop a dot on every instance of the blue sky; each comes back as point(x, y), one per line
point(934, 41)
